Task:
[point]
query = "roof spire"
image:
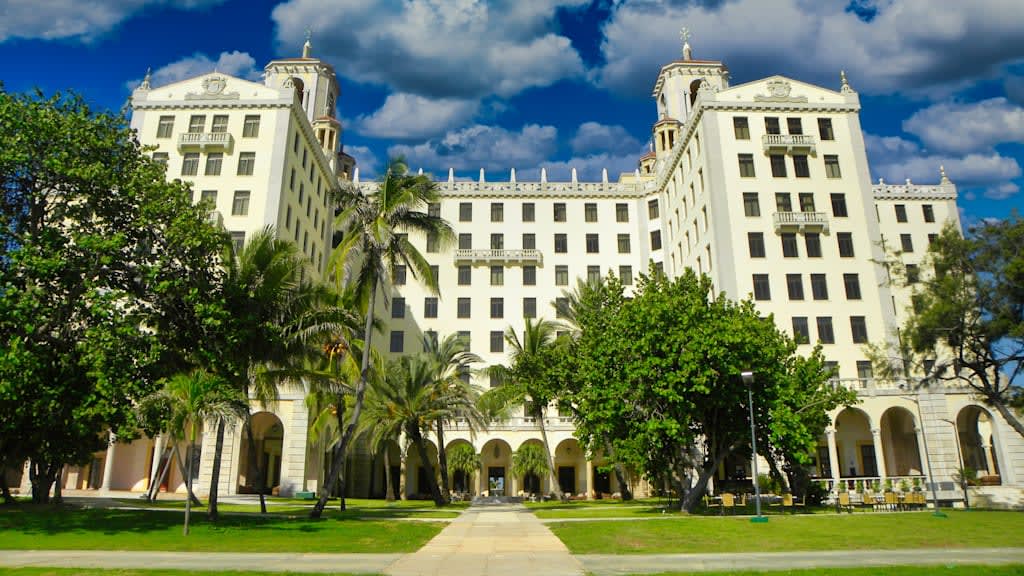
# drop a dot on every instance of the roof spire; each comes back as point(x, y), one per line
point(942, 174)
point(145, 81)
point(845, 88)
point(684, 35)
point(307, 48)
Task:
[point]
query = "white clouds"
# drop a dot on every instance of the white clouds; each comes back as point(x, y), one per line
point(960, 128)
point(908, 45)
point(594, 137)
point(56, 19)
point(239, 64)
point(366, 160)
point(490, 147)
point(589, 168)
point(406, 116)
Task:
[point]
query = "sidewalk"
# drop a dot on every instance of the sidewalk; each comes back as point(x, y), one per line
point(225, 561)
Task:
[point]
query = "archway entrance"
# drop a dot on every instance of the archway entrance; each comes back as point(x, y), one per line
point(268, 438)
point(899, 443)
point(496, 460)
point(978, 442)
point(854, 445)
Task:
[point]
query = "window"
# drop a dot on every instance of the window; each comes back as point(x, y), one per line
point(819, 287)
point(913, 274)
point(497, 341)
point(771, 125)
point(497, 275)
point(529, 241)
point(906, 243)
point(209, 197)
point(465, 241)
point(901, 212)
point(795, 286)
point(789, 246)
point(751, 207)
point(288, 218)
point(593, 273)
point(240, 204)
point(465, 275)
point(398, 307)
point(593, 247)
point(825, 333)
point(839, 205)
point(561, 275)
point(251, 126)
point(755, 243)
point(559, 212)
point(529, 275)
point(213, 163)
point(561, 244)
point(435, 274)
point(859, 330)
point(196, 123)
point(433, 242)
point(832, 166)
point(497, 212)
point(801, 331)
point(812, 240)
point(783, 203)
point(397, 341)
point(464, 337)
point(160, 157)
point(561, 305)
point(238, 241)
point(656, 240)
point(497, 307)
point(762, 289)
point(295, 143)
point(741, 128)
point(852, 284)
point(626, 275)
point(800, 166)
point(590, 212)
point(825, 129)
point(398, 274)
point(165, 127)
point(845, 241)
point(746, 165)
point(497, 241)
point(430, 307)
point(806, 201)
point(220, 123)
point(624, 247)
point(928, 212)
point(622, 212)
point(932, 238)
point(529, 212)
point(465, 212)
point(652, 209)
point(778, 162)
point(463, 307)
point(190, 164)
point(864, 371)
point(529, 307)
point(794, 126)
point(246, 163)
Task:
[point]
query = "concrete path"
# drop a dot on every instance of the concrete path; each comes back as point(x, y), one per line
point(497, 540)
point(225, 561)
point(617, 564)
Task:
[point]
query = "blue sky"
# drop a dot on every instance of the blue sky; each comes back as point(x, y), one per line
point(566, 83)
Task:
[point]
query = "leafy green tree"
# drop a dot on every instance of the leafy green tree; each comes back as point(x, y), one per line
point(95, 245)
point(463, 458)
point(530, 460)
point(374, 229)
point(968, 312)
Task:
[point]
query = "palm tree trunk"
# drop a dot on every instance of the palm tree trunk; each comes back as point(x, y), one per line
point(442, 461)
point(389, 491)
point(553, 478)
point(341, 447)
point(218, 453)
point(188, 486)
point(254, 465)
point(403, 471)
point(421, 447)
point(186, 475)
point(165, 469)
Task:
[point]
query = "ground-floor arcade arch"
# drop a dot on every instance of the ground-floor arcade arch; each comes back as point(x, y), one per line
point(268, 442)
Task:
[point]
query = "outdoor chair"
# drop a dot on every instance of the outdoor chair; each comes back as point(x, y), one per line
point(892, 501)
point(843, 502)
point(870, 499)
point(788, 501)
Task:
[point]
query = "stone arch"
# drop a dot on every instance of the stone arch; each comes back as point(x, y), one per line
point(416, 485)
point(854, 443)
point(458, 480)
point(979, 444)
point(268, 442)
point(533, 483)
point(570, 467)
point(899, 442)
point(694, 88)
point(496, 461)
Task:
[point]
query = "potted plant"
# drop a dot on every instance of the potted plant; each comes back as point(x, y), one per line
point(917, 484)
point(875, 486)
point(888, 484)
point(904, 486)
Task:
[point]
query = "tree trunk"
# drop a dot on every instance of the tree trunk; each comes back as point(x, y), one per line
point(254, 465)
point(6, 490)
point(389, 491)
point(341, 446)
point(186, 475)
point(162, 473)
point(403, 472)
point(41, 476)
point(553, 478)
point(218, 453)
point(442, 462)
point(188, 486)
point(695, 493)
point(58, 481)
point(1008, 415)
point(620, 474)
point(421, 447)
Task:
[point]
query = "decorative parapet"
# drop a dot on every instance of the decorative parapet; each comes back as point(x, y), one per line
point(801, 221)
point(205, 140)
point(909, 191)
point(471, 189)
point(789, 143)
point(496, 256)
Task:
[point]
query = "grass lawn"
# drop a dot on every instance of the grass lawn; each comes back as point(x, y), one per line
point(937, 570)
point(355, 508)
point(28, 527)
point(127, 572)
point(696, 534)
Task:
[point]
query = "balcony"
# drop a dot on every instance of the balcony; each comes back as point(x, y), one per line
point(801, 222)
point(205, 141)
point(495, 256)
point(789, 143)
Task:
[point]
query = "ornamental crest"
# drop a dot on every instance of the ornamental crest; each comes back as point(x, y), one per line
point(779, 91)
point(213, 89)
point(214, 84)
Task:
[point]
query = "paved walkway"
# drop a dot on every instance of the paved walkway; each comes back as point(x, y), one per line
point(214, 561)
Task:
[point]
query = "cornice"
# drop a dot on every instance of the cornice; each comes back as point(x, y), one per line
point(513, 190)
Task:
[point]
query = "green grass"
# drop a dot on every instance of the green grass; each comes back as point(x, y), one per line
point(129, 572)
point(937, 570)
point(28, 527)
point(696, 534)
point(355, 508)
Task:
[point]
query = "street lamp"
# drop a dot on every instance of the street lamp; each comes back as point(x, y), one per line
point(927, 457)
point(748, 379)
point(960, 459)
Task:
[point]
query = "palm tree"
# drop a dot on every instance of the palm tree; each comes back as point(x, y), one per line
point(190, 400)
point(374, 229)
point(530, 460)
point(524, 382)
point(463, 458)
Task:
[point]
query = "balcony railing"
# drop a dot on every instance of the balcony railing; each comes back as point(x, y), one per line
point(496, 256)
point(789, 142)
point(801, 221)
point(205, 140)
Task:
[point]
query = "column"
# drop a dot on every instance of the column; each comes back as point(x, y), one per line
point(480, 487)
point(876, 439)
point(108, 463)
point(919, 432)
point(159, 444)
point(293, 449)
point(590, 480)
point(987, 450)
point(833, 454)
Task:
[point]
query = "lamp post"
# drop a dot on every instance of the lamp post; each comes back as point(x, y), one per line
point(748, 379)
point(960, 460)
point(928, 458)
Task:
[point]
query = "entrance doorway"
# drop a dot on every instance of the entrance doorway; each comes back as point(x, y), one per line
point(496, 480)
point(867, 456)
point(602, 483)
point(567, 479)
